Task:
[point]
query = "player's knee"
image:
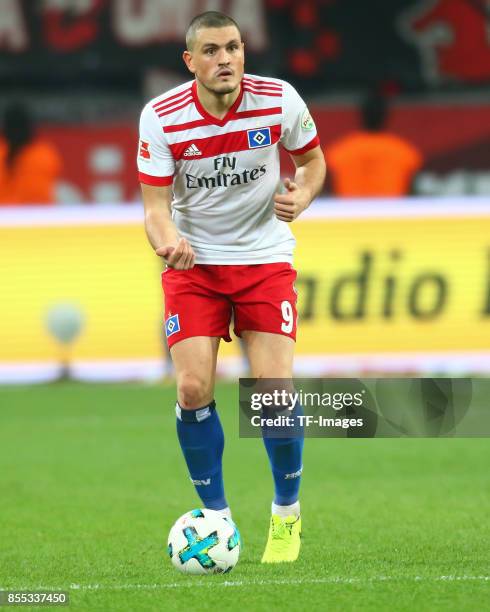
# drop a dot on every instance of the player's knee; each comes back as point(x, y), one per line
point(193, 392)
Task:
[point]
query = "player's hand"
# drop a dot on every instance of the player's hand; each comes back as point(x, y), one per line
point(287, 206)
point(179, 256)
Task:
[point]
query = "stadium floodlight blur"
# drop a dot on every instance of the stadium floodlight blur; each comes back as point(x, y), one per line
point(65, 322)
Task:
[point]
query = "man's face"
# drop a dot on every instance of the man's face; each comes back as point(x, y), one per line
point(217, 59)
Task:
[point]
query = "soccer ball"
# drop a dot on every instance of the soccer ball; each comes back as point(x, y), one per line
point(204, 542)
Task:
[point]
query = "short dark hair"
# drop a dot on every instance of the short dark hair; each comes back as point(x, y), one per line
point(209, 19)
point(374, 112)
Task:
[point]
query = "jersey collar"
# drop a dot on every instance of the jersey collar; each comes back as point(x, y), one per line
point(210, 118)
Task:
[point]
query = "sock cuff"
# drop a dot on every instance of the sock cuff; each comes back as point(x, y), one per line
point(285, 510)
point(195, 416)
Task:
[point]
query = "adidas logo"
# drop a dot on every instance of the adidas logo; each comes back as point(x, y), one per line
point(294, 474)
point(192, 151)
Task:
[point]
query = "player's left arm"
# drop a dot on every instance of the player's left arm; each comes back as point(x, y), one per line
point(307, 184)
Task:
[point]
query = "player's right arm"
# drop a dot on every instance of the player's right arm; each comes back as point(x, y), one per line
point(156, 167)
point(161, 230)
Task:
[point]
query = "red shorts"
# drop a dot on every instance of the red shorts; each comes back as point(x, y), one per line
point(201, 301)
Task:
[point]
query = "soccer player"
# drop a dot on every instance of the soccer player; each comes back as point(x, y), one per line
point(208, 164)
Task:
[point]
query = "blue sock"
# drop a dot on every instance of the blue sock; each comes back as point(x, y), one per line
point(286, 460)
point(202, 441)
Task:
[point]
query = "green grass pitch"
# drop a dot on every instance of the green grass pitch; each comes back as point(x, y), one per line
point(92, 479)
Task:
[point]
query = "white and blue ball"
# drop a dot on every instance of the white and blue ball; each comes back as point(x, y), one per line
point(203, 541)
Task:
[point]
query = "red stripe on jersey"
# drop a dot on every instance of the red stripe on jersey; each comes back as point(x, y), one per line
point(311, 145)
point(262, 87)
point(191, 125)
point(260, 112)
point(267, 84)
point(218, 145)
point(262, 93)
point(156, 181)
point(176, 108)
point(185, 126)
point(172, 104)
point(181, 94)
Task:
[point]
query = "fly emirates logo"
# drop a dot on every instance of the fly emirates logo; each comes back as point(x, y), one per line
point(226, 175)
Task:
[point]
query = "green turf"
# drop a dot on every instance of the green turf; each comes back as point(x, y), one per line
point(92, 479)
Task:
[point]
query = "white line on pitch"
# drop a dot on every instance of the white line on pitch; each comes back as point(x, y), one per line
point(245, 583)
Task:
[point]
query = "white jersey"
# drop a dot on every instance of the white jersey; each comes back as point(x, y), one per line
point(225, 172)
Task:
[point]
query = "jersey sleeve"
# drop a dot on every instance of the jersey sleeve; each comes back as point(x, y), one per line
point(299, 133)
point(156, 165)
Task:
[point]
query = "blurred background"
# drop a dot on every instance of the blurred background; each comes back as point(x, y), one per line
point(394, 258)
